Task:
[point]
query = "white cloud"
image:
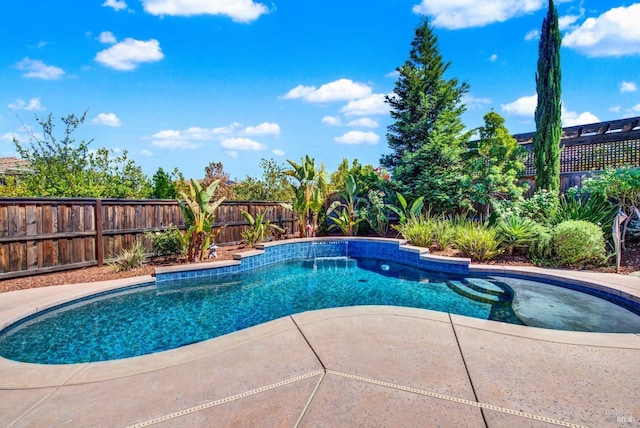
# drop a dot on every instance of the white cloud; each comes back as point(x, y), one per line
point(237, 10)
point(571, 118)
point(357, 138)
point(32, 105)
point(243, 144)
point(107, 37)
point(332, 120)
point(532, 35)
point(614, 33)
point(363, 122)
point(278, 152)
point(196, 136)
point(39, 70)
point(232, 153)
point(129, 54)
point(393, 74)
point(472, 102)
point(10, 136)
point(339, 90)
point(565, 22)
point(458, 14)
point(524, 106)
point(614, 109)
point(108, 119)
point(145, 152)
point(636, 108)
point(628, 87)
point(493, 57)
point(164, 142)
point(115, 4)
point(263, 129)
point(371, 105)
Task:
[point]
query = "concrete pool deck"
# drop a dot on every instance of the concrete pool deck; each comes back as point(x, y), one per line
point(355, 366)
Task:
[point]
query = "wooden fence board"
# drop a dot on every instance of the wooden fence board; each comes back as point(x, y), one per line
point(45, 235)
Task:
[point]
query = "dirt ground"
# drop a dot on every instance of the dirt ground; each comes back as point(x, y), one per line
point(630, 263)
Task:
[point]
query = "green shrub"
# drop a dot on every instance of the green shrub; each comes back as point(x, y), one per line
point(417, 230)
point(169, 243)
point(595, 209)
point(477, 241)
point(541, 249)
point(579, 244)
point(130, 259)
point(542, 207)
point(444, 233)
point(517, 233)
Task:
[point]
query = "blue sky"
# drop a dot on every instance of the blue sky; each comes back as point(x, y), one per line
point(182, 83)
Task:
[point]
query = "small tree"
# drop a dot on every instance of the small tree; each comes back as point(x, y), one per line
point(494, 163)
point(546, 141)
point(163, 184)
point(274, 185)
point(63, 167)
point(215, 172)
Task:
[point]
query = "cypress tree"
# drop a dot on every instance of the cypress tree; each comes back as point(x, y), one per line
point(546, 142)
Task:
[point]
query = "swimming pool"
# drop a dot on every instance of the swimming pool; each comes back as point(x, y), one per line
point(174, 313)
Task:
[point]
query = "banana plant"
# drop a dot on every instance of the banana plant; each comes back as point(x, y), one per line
point(406, 212)
point(199, 214)
point(258, 228)
point(346, 212)
point(309, 191)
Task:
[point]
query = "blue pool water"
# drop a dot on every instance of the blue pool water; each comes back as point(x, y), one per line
point(168, 315)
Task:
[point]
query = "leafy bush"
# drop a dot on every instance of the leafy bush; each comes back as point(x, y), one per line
point(579, 244)
point(477, 241)
point(542, 207)
point(541, 250)
point(130, 259)
point(517, 233)
point(377, 213)
point(169, 243)
point(417, 230)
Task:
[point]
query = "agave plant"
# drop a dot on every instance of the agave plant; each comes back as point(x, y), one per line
point(199, 214)
point(258, 228)
point(517, 233)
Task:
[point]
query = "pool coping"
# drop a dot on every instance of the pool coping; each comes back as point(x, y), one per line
point(17, 305)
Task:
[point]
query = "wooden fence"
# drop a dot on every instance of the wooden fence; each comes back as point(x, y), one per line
point(49, 235)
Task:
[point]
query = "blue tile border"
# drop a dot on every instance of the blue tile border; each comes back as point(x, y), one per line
point(300, 249)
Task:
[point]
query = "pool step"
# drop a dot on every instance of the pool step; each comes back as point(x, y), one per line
point(479, 290)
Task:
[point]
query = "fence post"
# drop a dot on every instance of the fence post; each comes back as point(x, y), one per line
point(99, 237)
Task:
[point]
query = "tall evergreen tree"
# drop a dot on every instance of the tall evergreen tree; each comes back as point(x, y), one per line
point(546, 142)
point(427, 136)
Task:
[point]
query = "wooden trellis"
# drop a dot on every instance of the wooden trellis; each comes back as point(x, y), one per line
point(589, 148)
